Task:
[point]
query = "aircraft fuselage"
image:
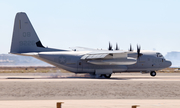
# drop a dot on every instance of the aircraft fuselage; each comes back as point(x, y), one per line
point(71, 61)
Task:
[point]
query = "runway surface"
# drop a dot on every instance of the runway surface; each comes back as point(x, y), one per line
point(91, 103)
point(44, 90)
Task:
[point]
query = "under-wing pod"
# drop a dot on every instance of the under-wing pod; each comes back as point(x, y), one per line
point(120, 61)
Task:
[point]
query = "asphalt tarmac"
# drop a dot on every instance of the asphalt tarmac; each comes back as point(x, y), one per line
point(36, 90)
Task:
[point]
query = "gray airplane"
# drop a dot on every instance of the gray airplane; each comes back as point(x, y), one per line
point(84, 60)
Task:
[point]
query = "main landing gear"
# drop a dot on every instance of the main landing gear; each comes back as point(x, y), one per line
point(101, 75)
point(105, 75)
point(153, 73)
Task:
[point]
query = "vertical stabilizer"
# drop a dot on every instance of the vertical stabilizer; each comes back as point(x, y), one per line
point(25, 38)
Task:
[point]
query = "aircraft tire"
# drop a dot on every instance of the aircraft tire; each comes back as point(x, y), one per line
point(107, 76)
point(153, 73)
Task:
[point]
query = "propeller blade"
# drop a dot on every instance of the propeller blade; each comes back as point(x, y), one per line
point(117, 48)
point(138, 51)
point(130, 48)
point(110, 46)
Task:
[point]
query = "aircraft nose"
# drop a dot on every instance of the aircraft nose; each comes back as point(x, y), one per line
point(168, 63)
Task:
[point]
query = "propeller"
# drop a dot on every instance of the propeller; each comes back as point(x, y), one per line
point(110, 46)
point(117, 48)
point(138, 51)
point(130, 48)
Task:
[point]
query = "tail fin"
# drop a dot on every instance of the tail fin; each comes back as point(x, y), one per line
point(24, 38)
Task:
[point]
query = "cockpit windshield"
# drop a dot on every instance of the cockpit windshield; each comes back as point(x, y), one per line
point(159, 55)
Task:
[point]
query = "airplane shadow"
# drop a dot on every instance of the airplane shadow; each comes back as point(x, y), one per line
point(85, 77)
point(71, 78)
point(102, 78)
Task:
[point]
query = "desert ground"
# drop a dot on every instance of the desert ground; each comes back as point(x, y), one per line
point(42, 89)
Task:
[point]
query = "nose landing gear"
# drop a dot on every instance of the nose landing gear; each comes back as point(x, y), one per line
point(153, 73)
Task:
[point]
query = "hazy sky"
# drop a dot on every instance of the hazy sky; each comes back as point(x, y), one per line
point(154, 24)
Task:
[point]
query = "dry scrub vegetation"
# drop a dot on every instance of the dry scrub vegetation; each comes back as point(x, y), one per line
point(169, 70)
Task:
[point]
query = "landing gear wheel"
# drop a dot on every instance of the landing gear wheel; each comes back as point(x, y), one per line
point(153, 73)
point(105, 75)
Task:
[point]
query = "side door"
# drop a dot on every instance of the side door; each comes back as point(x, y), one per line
point(80, 66)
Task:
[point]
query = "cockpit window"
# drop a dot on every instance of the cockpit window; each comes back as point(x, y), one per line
point(159, 55)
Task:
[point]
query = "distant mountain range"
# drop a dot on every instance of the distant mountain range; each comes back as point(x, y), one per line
point(174, 57)
point(16, 60)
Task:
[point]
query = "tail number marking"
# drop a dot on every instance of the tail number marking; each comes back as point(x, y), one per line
point(26, 34)
point(26, 43)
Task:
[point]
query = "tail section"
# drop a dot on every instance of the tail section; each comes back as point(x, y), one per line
point(24, 38)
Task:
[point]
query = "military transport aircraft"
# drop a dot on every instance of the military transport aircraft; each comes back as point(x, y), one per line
point(84, 60)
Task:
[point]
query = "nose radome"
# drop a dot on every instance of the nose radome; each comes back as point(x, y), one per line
point(168, 63)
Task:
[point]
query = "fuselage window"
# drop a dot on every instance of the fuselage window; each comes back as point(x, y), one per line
point(159, 55)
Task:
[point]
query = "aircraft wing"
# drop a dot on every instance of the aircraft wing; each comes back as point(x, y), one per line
point(111, 58)
point(82, 49)
point(100, 54)
point(93, 56)
point(86, 49)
